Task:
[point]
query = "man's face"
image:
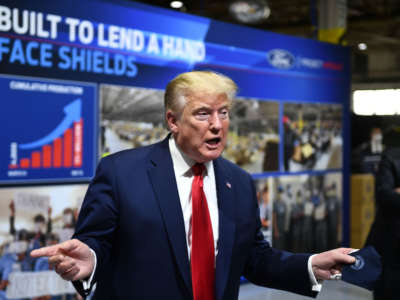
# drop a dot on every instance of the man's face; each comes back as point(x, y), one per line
point(200, 130)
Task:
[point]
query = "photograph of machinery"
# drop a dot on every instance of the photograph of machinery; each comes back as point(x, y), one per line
point(134, 117)
point(312, 136)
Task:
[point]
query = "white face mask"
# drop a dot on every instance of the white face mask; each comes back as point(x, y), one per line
point(67, 219)
point(39, 227)
point(377, 138)
point(18, 247)
point(376, 143)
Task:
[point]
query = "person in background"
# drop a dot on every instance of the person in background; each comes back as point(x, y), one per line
point(307, 229)
point(371, 156)
point(296, 223)
point(366, 157)
point(69, 220)
point(385, 231)
point(264, 206)
point(279, 220)
point(38, 235)
point(291, 143)
point(320, 227)
point(332, 215)
point(16, 260)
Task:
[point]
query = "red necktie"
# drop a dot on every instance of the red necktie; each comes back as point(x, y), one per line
point(202, 254)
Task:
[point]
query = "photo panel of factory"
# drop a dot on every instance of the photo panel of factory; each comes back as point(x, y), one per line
point(33, 217)
point(134, 117)
point(306, 212)
point(312, 136)
point(130, 117)
point(253, 140)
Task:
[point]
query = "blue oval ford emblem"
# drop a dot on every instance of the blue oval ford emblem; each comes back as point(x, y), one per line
point(280, 58)
point(359, 264)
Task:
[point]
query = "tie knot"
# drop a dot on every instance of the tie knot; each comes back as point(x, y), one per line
point(198, 169)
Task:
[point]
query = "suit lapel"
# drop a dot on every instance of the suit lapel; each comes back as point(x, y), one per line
point(162, 177)
point(226, 225)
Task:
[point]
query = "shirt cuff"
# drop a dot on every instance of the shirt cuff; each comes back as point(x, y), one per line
point(88, 283)
point(316, 285)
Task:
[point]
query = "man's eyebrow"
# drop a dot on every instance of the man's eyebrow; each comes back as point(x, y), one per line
point(202, 108)
point(208, 108)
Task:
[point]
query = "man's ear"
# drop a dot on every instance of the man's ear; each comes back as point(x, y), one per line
point(171, 121)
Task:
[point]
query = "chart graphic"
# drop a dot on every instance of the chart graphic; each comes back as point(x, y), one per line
point(60, 148)
point(51, 130)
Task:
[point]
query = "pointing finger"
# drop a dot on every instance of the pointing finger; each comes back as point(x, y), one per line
point(54, 250)
point(45, 251)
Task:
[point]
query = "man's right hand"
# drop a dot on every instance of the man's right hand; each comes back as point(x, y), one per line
point(72, 259)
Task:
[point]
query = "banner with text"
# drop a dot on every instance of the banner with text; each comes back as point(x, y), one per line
point(51, 40)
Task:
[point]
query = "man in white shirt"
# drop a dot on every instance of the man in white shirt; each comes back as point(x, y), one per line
point(174, 220)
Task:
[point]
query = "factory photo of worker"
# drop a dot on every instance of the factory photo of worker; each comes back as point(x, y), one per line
point(306, 212)
point(312, 136)
point(33, 217)
point(253, 141)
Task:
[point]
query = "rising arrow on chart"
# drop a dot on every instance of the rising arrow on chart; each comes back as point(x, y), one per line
point(72, 114)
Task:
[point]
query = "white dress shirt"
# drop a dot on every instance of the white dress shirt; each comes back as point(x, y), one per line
point(184, 176)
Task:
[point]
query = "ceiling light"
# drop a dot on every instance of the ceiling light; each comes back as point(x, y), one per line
point(176, 4)
point(362, 46)
point(376, 102)
point(250, 11)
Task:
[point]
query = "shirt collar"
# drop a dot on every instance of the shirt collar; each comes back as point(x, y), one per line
point(181, 162)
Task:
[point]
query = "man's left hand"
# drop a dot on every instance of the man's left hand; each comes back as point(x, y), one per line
point(330, 262)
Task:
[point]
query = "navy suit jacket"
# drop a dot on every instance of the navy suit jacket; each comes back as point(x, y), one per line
point(132, 218)
point(385, 232)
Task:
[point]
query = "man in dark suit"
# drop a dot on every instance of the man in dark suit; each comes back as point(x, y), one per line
point(385, 232)
point(174, 220)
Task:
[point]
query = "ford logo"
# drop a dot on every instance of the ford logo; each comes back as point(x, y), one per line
point(280, 58)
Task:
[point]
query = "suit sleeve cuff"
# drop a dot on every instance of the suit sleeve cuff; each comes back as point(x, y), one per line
point(87, 284)
point(316, 285)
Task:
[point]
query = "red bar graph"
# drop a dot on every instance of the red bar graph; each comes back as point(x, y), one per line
point(68, 148)
point(57, 152)
point(35, 157)
point(64, 152)
point(46, 156)
point(24, 163)
point(78, 143)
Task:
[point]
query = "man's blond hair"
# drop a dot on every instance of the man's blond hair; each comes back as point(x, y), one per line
point(189, 83)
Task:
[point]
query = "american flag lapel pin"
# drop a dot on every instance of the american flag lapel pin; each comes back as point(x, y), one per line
point(228, 185)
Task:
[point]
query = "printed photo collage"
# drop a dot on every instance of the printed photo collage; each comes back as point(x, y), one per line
point(298, 206)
